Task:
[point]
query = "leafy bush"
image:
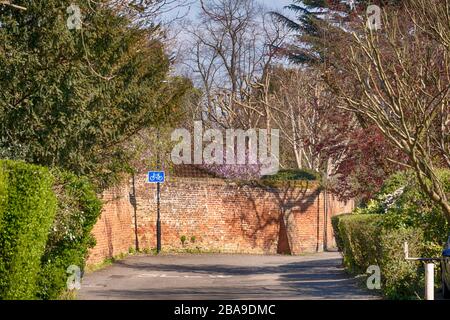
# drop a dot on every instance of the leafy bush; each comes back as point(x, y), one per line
point(401, 279)
point(70, 237)
point(404, 205)
point(27, 210)
point(375, 234)
point(365, 242)
point(45, 224)
point(357, 237)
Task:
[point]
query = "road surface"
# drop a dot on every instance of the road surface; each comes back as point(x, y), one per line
point(211, 276)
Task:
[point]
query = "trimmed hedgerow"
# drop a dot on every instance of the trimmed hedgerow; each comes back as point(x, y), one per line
point(70, 236)
point(363, 241)
point(357, 239)
point(27, 210)
point(3, 194)
point(46, 220)
point(375, 235)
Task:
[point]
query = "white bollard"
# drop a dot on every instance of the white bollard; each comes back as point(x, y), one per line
point(429, 281)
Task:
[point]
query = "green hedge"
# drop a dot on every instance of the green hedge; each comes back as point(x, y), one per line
point(46, 220)
point(375, 234)
point(364, 241)
point(292, 178)
point(27, 210)
point(357, 240)
point(70, 237)
point(293, 175)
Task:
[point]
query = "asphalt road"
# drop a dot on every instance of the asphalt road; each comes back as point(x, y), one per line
point(210, 276)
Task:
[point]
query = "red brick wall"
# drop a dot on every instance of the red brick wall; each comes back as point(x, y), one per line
point(222, 217)
point(114, 229)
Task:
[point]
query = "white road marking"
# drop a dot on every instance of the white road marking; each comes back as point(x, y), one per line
point(147, 275)
point(163, 275)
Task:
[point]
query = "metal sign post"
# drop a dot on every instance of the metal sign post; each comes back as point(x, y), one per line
point(157, 177)
point(158, 217)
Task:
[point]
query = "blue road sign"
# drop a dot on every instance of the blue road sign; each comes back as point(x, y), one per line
point(156, 176)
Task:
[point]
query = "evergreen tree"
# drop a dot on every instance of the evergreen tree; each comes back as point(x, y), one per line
point(72, 97)
point(315, 21)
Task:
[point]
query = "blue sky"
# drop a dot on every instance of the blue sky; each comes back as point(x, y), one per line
point(276, 4)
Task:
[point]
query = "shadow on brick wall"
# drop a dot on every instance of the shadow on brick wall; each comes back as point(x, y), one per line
point(273, 213)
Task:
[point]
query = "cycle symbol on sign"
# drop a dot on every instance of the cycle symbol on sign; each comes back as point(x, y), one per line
point(156, 177)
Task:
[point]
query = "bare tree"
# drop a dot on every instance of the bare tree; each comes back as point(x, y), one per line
point(304, 110)
point(8, 3)
point(233, 49)
point(146, 10)
point(433, 20)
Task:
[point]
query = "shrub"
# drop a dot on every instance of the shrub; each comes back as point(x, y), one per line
point(357, 236)
point(364, 242)
point(27, 209)
point(404, 205)
point(70, 236)
point(412, 208)
point(294, 174)
point(337, 234)
point(375, 234)
point(401, 278)
point(3, 193)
